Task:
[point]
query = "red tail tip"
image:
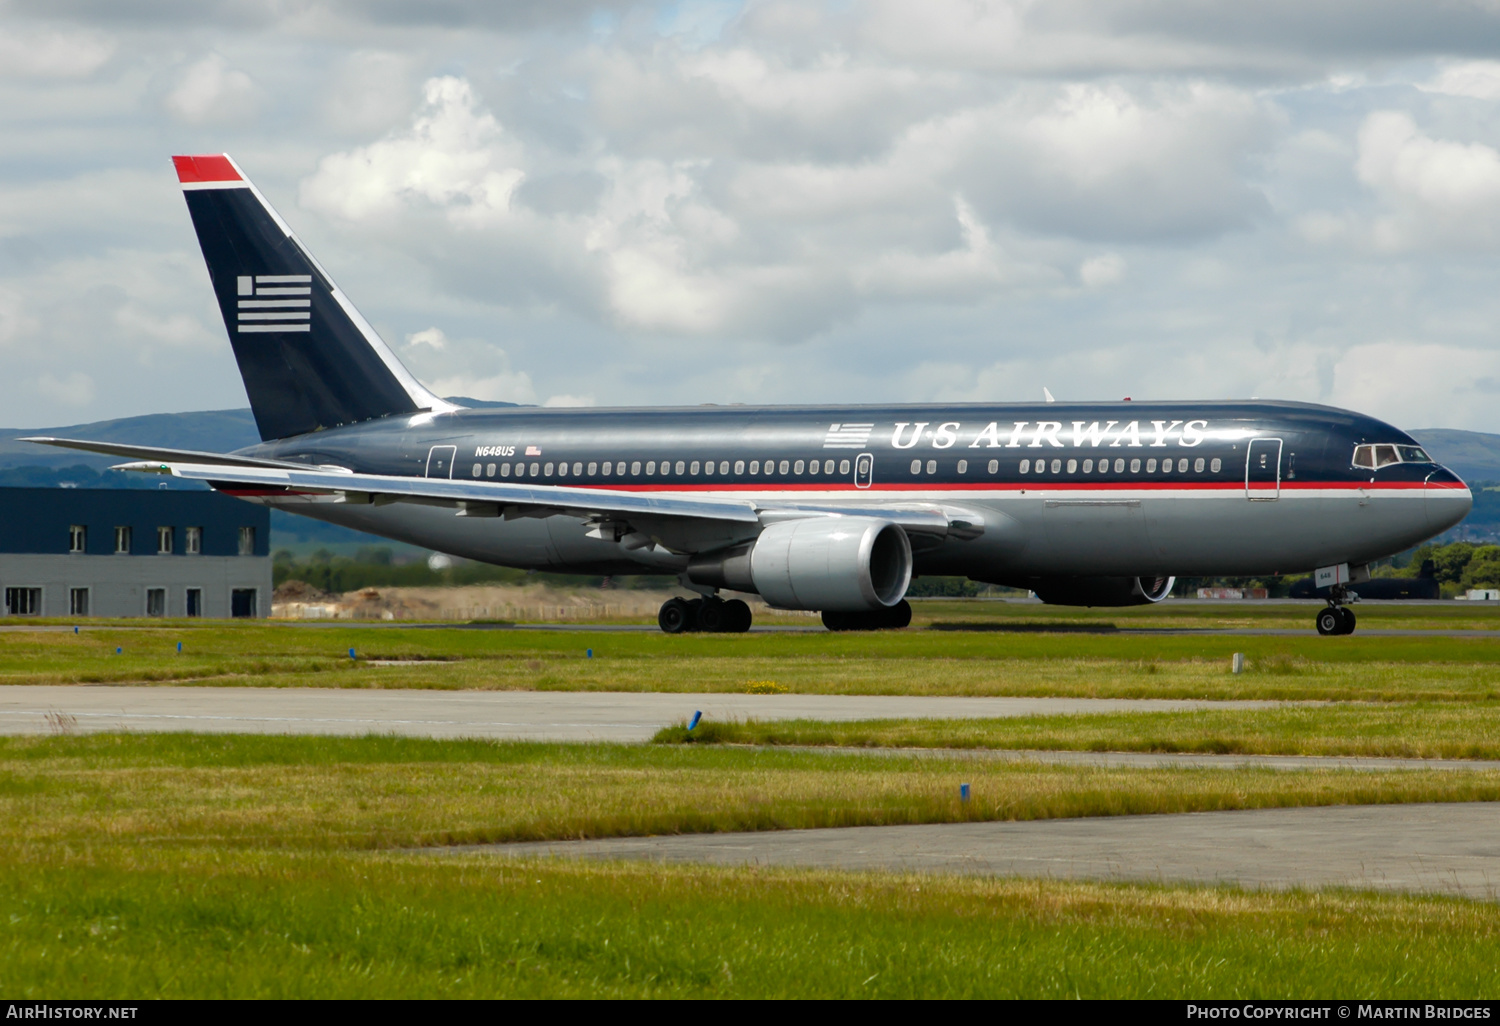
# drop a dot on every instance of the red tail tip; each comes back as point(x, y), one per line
point(208, 168)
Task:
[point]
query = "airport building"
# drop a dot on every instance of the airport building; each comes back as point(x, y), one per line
point(133, 552)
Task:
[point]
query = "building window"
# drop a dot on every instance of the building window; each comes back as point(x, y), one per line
point(122, 541)
point(192, 541)
point(78, 602)
point(242, 602)
point(23, 601)
point(247, 541)
point(156, 601)
point(163, 541)
point(78, 538)
point(195, 602)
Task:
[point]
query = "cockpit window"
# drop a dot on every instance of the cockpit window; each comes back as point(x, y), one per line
point(1373, 457)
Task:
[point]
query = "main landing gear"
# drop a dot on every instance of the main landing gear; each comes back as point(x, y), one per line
point(894, 618)
point(712, 614)
point(1337, 618)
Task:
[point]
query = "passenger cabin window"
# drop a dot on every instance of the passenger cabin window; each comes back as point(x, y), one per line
point(78, 538)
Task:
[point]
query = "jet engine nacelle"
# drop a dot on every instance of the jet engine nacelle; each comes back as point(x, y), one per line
point(1102, 591)
point(844, 564)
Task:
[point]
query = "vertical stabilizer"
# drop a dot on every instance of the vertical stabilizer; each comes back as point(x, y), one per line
point(309, 360)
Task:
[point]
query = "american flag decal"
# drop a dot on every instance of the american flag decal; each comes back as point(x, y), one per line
point(269, 302)
point(847, 436)
point(532, 450)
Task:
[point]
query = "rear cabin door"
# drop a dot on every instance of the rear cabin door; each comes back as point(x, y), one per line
point(1263, 470)
point(440, 460)
point(864, 470)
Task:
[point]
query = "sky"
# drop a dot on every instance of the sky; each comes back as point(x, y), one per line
point(713, 201)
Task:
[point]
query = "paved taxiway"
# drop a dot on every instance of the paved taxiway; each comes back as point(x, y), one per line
point(1450, 849)
point(525, 715)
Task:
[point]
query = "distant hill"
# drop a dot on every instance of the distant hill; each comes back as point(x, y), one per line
point(1472, 455)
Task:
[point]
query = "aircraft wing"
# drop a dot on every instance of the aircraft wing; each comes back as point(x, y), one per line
point(510, 500)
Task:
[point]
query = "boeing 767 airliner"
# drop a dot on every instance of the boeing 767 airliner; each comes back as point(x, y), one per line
point(826, 508)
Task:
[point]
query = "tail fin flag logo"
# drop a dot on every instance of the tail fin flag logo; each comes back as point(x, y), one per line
point(847, 436)
point(269, 302)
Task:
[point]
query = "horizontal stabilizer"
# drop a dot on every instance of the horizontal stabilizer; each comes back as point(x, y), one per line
point(153, 453)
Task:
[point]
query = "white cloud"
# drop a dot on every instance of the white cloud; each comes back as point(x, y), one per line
point(1454, 386)
point(454, 157)
point(74, 390)
point(1096, 272)
point(36, 52)
point(433, 338)
point(1436, 189)
point(1477, 79)
point(211, 91)
point(506, 387)
point(569, 400)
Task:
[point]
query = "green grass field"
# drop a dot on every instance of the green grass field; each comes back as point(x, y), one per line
point(225, 792)
point(183, 865)
point(1410, 731)
point(923, 661)
point(227, 866)
point(339, 925)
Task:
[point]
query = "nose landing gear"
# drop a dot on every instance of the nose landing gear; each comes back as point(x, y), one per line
point(1337, 618)
point(712, 614)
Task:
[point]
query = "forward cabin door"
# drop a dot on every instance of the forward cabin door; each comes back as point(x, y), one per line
point(440, 460)
point(1263, 470)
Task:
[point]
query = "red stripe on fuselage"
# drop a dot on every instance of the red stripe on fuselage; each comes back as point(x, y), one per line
point(1039, 485)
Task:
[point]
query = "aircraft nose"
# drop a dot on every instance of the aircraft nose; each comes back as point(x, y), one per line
point(1448, 500)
